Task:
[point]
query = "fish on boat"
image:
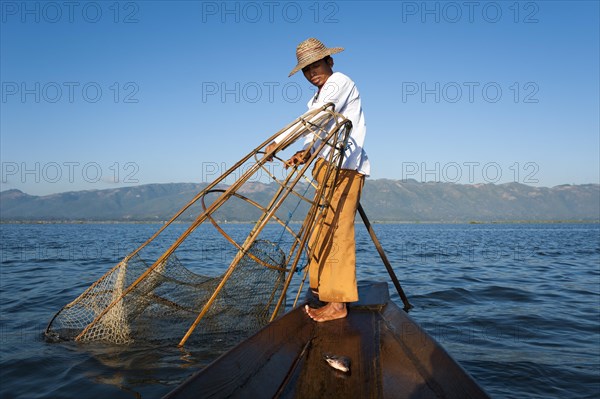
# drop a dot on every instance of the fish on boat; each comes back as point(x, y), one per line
point(392, 357)
point(341, 363)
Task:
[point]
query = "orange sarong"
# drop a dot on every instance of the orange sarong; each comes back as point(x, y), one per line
point(332, 267)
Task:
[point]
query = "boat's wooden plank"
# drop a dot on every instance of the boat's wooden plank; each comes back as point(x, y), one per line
point(400, 379)
point(256, 367)
point(355, 337)
point(371, 294)
point(440, 374)
point(391, 357)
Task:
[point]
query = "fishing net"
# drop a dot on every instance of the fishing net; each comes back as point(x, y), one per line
point(143, 298)
point(166, 302)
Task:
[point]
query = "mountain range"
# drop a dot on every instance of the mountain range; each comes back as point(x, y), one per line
point(383, 200)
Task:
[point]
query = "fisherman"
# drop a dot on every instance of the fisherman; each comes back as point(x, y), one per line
point(332, 267)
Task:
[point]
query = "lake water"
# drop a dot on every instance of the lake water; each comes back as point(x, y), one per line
point(517, 305)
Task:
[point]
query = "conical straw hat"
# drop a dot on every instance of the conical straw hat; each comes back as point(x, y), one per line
point(312, 50)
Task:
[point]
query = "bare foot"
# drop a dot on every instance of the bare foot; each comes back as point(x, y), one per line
point(314, 312)
point(331, 311)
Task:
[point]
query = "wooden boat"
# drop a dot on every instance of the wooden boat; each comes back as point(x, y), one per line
point(391, 357)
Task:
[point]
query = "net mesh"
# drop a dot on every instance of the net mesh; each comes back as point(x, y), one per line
point(167, 301)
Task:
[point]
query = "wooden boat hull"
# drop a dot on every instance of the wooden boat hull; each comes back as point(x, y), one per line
point(391, 357)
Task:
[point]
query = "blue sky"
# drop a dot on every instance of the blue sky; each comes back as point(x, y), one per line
point(105, 94)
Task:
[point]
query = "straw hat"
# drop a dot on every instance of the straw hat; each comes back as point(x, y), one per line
point(312, 50)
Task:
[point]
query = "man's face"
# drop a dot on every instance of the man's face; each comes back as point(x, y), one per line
point(318, 72)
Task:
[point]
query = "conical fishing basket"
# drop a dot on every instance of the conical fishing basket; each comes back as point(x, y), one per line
point(168, 290)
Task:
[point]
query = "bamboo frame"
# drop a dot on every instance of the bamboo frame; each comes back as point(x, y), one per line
point(295, 129)
point(275, 203)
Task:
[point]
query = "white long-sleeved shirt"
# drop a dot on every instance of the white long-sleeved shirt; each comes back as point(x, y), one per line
point(342, 92)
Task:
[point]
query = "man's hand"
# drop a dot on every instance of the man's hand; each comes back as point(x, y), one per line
point(269, 149)
point(298, 158)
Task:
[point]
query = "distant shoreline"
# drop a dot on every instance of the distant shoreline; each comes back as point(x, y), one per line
point(385, 202)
